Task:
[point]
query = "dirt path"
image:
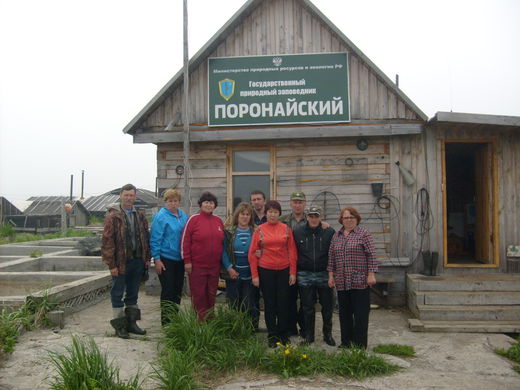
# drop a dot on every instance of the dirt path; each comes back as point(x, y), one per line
point(444, 361)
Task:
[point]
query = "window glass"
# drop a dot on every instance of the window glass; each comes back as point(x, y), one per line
point(250, 160)
point(243, 185)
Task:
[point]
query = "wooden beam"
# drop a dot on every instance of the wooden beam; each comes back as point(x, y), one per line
point(275, 133)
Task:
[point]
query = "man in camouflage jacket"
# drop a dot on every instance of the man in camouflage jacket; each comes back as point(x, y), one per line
point(126, 251)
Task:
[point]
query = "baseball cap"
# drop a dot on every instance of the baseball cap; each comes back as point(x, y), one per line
point(314, 210)
point(297, 196)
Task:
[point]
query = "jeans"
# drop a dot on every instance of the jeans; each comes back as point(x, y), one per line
point(127, 284)
point(242, 295)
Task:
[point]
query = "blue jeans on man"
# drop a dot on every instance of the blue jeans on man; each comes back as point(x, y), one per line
point(125, 288)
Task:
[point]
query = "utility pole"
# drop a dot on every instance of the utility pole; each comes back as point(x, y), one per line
point(186, 114)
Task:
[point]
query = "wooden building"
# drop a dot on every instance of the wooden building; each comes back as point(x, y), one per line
point(350, 161)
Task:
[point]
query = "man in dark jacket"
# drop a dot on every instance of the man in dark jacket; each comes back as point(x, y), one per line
point(126, 252)
point(313, 242)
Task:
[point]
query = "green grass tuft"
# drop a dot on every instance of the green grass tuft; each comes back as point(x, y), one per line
point(395, 350)
point(512, 353)
point(85, 367)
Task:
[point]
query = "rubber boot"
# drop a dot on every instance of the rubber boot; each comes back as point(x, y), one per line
point(133, 315)
point(120, 325)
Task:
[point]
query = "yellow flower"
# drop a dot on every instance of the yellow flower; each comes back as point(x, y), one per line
point(278, 343)
point(304, 356)
point(287, 352)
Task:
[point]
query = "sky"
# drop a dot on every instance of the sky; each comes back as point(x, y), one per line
point(74, 73)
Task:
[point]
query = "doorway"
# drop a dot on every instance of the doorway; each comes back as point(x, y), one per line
point(470, 204)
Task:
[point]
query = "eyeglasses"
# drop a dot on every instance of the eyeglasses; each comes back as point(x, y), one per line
point(348, 217)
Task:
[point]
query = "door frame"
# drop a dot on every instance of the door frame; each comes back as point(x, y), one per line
point(495, 237)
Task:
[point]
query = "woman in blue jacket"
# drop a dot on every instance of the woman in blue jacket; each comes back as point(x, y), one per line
point(165, 238)
point(240, 292)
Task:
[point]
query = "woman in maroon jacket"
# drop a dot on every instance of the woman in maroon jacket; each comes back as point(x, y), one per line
point(201, 249)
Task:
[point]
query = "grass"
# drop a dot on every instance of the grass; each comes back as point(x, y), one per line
point(9, 236)
point(36, 253)
point(33, 313)
point(512, 353)
point(395, 350)
point(194, 353)
point(85, 367)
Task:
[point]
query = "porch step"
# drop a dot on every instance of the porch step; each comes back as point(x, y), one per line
point(471, 302)
point(464, 326)
point(469, 312)
point(466, 282)
point(468, 297)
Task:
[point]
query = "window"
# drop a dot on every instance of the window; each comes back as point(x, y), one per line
point(249, 169)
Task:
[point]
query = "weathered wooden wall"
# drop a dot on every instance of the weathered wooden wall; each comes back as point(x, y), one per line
point(335, 169)
point(285, 27)
point(509, 184)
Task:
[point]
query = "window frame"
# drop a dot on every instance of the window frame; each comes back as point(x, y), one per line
point(231, 173)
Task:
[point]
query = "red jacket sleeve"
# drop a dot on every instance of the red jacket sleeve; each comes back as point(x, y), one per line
point(253, 260)
point(186, 240)
point(293, 254)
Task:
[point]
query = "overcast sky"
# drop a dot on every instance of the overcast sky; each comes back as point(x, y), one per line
point(74, 73)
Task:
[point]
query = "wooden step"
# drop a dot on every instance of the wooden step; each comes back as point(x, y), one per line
point(464, 326)
point(468, 298)
point(466, 282)
point(469, 313)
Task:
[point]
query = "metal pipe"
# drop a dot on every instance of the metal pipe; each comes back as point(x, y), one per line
point(82, 183)
point(71, 186)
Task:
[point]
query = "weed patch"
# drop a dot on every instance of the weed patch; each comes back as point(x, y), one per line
point(512, 353)
point(85, 367)
point(31, 314)
point(226, 344)
point(395, 350)
point(8, 236)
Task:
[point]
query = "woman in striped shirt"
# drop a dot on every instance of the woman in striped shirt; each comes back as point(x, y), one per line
point(352, 267)
point(240, 292)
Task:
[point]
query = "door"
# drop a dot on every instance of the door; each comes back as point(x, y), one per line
point(470, 204)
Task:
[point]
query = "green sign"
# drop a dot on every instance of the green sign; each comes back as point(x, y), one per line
point(279, 89)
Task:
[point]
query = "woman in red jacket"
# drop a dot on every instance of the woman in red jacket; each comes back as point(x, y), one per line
point(274, 271)
point(202, 244)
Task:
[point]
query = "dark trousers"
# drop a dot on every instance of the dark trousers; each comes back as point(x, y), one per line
point(127, 284)
point(295, 311)
point(274, 285)
point(242, 295)
point(308, 295)
point(354, 308)
point(172, 282)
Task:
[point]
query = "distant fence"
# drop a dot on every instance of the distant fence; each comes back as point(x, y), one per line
point(34, 223)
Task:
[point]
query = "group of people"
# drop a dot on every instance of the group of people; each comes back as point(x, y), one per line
point(261, 252)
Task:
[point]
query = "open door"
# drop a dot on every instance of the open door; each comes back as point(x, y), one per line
point(470, 204)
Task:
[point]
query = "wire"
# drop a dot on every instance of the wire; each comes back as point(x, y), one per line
point(392, 203)
point(425, 221)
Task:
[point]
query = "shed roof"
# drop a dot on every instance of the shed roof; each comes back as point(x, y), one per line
point(99, 203)
point(227, 29)
point(51, 205)
point(477, 121)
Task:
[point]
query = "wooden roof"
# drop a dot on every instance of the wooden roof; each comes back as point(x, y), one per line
point(136, 124)
point(455, 120)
